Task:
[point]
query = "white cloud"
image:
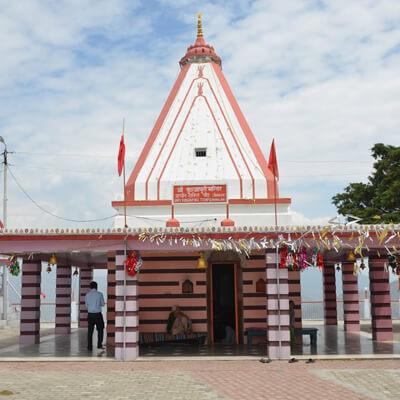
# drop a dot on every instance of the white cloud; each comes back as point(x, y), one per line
point(320, 77)
point(301, 220)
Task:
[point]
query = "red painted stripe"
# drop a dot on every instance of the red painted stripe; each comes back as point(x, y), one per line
point(227, 148)
point(178, 136)
point(130, 186)
point(102, 236)
point(168, 135)
point(173, 148)
point(147, 203)
point(142, 203)
point(247, 131)
point(260, 201)
point(234, 139)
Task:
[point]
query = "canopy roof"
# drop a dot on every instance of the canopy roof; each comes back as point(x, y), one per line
point(91, 245)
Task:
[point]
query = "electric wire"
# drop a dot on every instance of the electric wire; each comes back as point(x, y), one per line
point(281, 161)
point(96, 219)
point(49, 212)
point(74, 171)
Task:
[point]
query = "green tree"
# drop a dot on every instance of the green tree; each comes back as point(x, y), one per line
point(377, 201)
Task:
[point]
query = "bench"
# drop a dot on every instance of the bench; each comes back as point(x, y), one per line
point(312, 332)
point(160, 338)
point(254, 332)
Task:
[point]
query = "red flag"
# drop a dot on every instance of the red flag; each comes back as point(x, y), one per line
point(121, 155)
point(273, 162)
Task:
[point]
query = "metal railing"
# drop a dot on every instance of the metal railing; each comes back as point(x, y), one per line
point(48, 311)
point(314, 310)
point(311, 310)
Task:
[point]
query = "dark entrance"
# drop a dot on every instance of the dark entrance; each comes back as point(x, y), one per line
point(224, 303)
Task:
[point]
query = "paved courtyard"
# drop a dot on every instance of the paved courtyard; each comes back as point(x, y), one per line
point(339, 379)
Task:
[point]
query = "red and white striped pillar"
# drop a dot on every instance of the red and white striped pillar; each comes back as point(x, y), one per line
point(295, 296)
point(85, 277)
point(277, 287)
point(381, 311)
point(30, 302)
point(111, 298)
point(63, 299)
point(126, 312)
point(329, 282)
point(351, 305)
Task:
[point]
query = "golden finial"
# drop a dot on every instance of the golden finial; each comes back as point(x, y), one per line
point(199, 29)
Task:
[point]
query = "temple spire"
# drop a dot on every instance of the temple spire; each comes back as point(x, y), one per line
point(199, 27)
point(200, 51)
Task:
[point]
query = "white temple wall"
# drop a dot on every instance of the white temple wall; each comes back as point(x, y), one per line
point(200, 117)
point(205, 216)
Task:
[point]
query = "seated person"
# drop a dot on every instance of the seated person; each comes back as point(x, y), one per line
point(179, 323)
point(230, 337)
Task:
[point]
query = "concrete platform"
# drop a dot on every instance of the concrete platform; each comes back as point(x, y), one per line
point(333, 343)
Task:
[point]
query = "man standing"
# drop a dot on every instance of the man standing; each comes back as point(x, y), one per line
point(94, 300)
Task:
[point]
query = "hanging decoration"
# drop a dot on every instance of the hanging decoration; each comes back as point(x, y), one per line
point(13, 266)
point(398, 274)
point(283, 253)
point(355, 269)
point(394, 262)
point(351, 256)
point(298, 247)
point(320, 261)
point(201, 262)
point(296, 259)
point(53, 259)
point(133, 264)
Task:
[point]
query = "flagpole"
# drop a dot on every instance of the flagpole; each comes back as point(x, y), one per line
point(276, 216)
point(272, 165)
point(123, 133)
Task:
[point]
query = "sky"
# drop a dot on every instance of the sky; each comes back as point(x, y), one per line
point(320, 77)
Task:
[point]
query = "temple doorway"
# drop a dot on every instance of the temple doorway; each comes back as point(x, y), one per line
point(224, 303)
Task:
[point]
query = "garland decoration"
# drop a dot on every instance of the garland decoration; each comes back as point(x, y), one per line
point(296, 259)
point(133, 264)
point(299, 247)
point(13, 266)
point(320, 261)
point(283, 253)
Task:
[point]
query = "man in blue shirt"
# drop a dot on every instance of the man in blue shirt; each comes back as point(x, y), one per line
point(94, 300)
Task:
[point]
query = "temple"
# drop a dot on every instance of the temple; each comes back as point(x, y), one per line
point(201, 160)
point(207, 231)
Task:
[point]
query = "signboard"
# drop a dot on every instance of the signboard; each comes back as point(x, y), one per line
point(189, 194)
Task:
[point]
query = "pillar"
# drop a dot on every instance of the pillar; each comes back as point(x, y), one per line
point(30, 302)
point(277, 287)
point(329, 282)
point(85, 277)
point(111, 298)
point(63, 299)
point(381, 310)
point(295, 295)
point(126, 312)
point(351, 306)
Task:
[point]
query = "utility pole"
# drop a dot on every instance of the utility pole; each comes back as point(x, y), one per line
point(5, 270)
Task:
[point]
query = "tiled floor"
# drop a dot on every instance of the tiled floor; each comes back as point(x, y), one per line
point(202, 380)
point(332, 341)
